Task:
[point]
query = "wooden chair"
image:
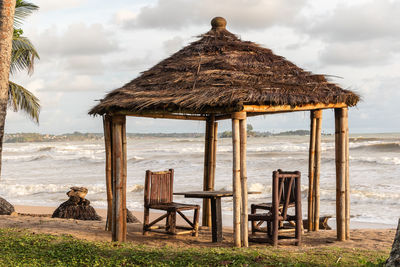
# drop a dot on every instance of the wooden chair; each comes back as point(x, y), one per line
point(158, 194)
point(285, 194)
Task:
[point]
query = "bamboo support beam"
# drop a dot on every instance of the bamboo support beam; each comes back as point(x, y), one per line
point(163, 116)
point(208, 183)
point(311, 158)
point(340, 155)
point(283, 108)
point(243, 179)
point(215, 142)
point(206, 212)
point(347, 179)
point(108, 159)
point(317, 167)
point(211, 157)
point(119, 179)
point(236, 182)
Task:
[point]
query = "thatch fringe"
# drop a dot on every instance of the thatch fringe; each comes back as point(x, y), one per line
point(221, 72)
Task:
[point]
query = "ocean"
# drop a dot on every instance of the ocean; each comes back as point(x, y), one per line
point(40, 174)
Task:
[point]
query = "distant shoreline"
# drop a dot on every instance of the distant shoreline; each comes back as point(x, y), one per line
point(77, 136)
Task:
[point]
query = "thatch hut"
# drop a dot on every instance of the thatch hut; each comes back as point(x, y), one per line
point(222, 77)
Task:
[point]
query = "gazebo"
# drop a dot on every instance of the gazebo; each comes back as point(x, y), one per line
point(221, 77)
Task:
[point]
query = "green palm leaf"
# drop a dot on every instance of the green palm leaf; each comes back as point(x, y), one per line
point(23, 55)
point(22, 10)
point(22, 58)
point(21, 99)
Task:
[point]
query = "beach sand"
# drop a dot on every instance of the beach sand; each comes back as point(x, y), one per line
point(38, 220)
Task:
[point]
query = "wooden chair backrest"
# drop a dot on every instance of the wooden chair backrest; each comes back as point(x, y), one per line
point(158, 187)
point(285, 190)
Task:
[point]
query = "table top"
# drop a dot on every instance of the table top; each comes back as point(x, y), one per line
point(209, 194)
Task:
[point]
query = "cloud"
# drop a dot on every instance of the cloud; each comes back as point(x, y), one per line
point(77, 39)
point(361, 54)
point(51, 5)
point(359, 22)
point(71, 83)
point(84, 64)
point(173, 45)
point(240, 14)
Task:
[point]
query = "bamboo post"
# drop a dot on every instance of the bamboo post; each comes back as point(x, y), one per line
point(347, 179)
point(124, 176)
point(243, 179)
point(108, 159)
point(311, 158)
point(208, 152)
point(212, 180)
point(317, 167)
point(119, 176)
point(236, 181)
point(340, 151)
point(211, 156)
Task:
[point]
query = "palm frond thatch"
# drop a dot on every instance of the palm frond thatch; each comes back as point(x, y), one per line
point(21, 99)
point(220, 72)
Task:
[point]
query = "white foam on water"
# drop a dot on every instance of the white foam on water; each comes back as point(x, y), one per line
point(41, 173)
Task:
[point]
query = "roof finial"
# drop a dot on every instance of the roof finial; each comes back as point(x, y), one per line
point(218, 23)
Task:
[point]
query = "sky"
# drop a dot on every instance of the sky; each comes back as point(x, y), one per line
point(89, 47)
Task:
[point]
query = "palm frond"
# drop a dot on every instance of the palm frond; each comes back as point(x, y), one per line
point(22, 10)
point(21, 99)
point(23, 55)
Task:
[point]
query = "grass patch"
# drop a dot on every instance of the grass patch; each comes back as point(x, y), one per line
point(23, 248)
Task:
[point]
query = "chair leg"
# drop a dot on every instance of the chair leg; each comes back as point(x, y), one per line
point(275, 229)
point(253, 223)
point(167, 221)
point(146, 220)
point(172, 223)
point(196, 223)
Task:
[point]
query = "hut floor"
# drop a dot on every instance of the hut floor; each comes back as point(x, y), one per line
point(94, 230)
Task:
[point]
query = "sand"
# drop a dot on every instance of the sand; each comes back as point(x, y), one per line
point(38, 220)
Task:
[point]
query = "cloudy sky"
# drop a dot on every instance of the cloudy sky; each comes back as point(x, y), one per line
point(90, 47)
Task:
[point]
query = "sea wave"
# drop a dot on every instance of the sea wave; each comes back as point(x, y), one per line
point(377, 160)
point(379, 147)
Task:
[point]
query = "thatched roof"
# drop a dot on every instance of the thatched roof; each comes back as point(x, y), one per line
point(221, 73)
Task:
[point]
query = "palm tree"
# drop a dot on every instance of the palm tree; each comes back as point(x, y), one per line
point(16, 53)
point(22, 58)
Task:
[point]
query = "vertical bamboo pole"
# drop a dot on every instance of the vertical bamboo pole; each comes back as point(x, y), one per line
point(243, 179)
point(317, 167)
point(340, 174)
point(119, 193)
point(206, 212)
point(236, 182)
point(124, 176)
point(311, 163)
point(108, 145)
point(347, 179)
point(211, 157)
point(209, 165)
point(212, 179)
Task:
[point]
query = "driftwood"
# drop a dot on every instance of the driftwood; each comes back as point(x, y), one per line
point(76, 208)
point(394, 258)
point(5, 207)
